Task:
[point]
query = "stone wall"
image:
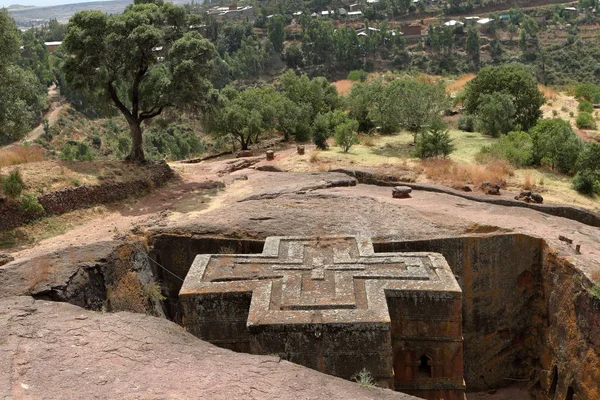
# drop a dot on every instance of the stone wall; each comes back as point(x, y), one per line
point(570, 349)
point(177, 252)
point(62, 201)
point(502, 300)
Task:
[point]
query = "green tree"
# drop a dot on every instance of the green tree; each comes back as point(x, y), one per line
point(142, 60)
point(318, 94)
point(22, 96)
point(276, 32)
point(409, 103)
point(472, 46)
point(293, 56)
point(496, 113)
point(435, 142)
point(362, 102)
point(244, 115)
point(496, 51)
point(555, 143)
point(345, 134)
point(317, 40)
point(513, 79)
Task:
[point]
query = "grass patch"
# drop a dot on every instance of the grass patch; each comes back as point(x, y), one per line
point(468, 144)
point(595, 291)
point(16, 155)
point(457, 175)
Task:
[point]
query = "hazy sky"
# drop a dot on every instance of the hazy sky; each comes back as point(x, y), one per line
point(41, 3)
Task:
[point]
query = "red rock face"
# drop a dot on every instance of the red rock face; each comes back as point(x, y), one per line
point(334, 305)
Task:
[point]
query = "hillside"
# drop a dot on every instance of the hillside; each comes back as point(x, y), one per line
point(25, 17)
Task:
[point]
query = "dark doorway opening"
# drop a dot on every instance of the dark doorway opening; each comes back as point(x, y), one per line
point(425, 370)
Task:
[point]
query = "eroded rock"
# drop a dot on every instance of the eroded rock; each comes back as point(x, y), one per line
point(60, 351)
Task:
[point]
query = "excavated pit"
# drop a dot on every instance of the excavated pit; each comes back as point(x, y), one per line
point(526, 314)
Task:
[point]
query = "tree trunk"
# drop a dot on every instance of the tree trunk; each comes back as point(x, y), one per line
point(137, 149)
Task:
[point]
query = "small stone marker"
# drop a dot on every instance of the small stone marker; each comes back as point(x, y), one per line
point(300, 150)
point(529, 197)
point(490, 188)
point(401, 192)
point(244, 153)
point(270, 155)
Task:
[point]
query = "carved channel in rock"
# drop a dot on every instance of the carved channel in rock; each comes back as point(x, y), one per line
point(526, 312)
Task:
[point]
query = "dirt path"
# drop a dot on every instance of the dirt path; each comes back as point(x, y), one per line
point(56, 105)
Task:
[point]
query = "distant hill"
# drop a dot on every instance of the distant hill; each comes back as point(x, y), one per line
point(25, 16)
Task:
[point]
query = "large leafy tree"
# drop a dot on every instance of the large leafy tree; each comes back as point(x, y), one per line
point(143, 61)
point(409, 103)
point(22, 96)
point(513, 79)
point(245, 115)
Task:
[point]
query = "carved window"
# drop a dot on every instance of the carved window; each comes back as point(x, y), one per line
point(425, 368)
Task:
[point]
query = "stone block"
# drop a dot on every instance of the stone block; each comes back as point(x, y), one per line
point(244, 153)
point(401, 192)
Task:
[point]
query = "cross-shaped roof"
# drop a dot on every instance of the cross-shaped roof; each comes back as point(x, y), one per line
point(320, 280)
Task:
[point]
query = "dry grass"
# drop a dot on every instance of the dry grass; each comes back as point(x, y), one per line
point(314, 157)
point(528, 180)
point(458, 175)
point(344, 86)
point(15, 155)
point(127, 294)
point(548, 92)
point(367, 140)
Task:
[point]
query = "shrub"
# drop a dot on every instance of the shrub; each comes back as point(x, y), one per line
point(321, 131)
point(588, 91)
point(345, 134)
point(364, 378)
point(586, 182)
point(585, 106)
point(12, 185)
point(434, 142)
point(175, 143)
point(555, 143)
point(466, 123)
point(76, 152)
point(31, 205)
point(585, 120)
point(515, 147)
point(358, 75)
point(587, 179)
